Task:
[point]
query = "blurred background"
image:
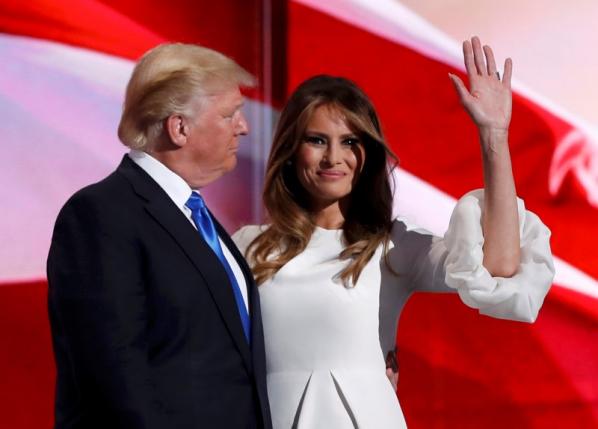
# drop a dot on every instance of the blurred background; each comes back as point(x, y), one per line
point(64, 68)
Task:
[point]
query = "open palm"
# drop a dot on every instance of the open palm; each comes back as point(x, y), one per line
point(488, 100)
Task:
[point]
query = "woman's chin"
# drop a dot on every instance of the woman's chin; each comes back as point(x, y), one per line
point(328, 198)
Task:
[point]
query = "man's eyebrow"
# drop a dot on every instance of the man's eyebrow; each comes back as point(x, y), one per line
point(235, 107)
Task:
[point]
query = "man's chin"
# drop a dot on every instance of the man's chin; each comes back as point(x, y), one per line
point(231, 163)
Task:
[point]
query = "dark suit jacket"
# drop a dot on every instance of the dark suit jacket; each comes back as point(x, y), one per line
point(145, 327)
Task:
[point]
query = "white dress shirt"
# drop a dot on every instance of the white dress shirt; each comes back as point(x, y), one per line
point(179, 192)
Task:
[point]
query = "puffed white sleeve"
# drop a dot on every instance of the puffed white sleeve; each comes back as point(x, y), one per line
point(516, 298)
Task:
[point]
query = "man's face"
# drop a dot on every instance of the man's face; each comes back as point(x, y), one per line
point(214, 134)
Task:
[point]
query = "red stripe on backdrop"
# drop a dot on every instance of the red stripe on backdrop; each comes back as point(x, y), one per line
point(129, 28)
point(87, 24)
point(429, 130)
point(27, 371)
point(239, 33)
point(511, 375)
point(537, 374)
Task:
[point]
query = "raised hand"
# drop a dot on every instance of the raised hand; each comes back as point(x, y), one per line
point(488, 101)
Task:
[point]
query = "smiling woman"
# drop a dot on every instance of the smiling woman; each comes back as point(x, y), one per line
point(335, 270)
point(327, 156)
point(328, 163)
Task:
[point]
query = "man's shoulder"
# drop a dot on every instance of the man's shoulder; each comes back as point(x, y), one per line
point(113, 194)
point(109, 187)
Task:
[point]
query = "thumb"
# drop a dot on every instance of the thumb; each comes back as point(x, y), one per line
point(459, 87)
point(393, 377)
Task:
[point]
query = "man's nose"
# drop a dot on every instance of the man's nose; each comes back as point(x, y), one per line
point(242, 125)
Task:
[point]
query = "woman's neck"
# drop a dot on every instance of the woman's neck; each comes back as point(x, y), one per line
point(329, 216)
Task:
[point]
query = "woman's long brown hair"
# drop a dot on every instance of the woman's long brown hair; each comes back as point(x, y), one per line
point(368, 219)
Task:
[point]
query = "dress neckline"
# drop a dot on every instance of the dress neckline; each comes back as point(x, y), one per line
point(320, 228)
point(329, 235)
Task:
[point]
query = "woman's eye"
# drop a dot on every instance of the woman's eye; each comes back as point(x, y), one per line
point(314, 140)
point(351, 141)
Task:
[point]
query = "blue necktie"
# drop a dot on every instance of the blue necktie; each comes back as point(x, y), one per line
point(203, 221)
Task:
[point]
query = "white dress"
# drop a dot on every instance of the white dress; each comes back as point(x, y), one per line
point(325, 343)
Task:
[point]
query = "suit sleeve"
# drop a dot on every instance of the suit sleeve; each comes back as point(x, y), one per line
point(99, 312)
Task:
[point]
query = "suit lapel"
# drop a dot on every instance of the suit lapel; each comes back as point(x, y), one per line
point(165, 212)
point(239, 258)
point(257, 330)
point(252, 292)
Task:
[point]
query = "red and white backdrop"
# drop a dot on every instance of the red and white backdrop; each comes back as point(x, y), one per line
point(64, 68)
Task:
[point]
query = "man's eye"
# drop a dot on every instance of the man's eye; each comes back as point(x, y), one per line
point(231, 115)
point(314, 140)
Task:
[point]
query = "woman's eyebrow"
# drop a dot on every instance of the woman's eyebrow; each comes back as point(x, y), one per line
point(322, 134)
point(315, 133)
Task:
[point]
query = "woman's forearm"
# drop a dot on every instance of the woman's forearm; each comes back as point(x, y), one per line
point(500, 222)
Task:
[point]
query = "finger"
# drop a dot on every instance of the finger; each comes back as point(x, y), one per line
point(490, 62)
point(393, 377)
point(508, 72)
point(478, 56)
point(460, 87)
point(468, 60)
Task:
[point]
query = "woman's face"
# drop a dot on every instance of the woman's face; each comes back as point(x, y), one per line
point(329, 158)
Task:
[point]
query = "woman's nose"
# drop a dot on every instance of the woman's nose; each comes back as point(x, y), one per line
point(332, 154)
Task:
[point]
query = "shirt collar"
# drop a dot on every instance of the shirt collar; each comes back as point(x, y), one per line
point(175, 187)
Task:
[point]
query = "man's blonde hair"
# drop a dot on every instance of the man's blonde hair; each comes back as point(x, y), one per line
point(169, 79)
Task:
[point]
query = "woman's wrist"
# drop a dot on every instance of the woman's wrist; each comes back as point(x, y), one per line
point(494, 140)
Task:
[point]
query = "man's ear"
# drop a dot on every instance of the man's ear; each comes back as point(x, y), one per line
point(177, 129)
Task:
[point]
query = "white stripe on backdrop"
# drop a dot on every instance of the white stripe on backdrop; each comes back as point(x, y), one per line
point(60, 107)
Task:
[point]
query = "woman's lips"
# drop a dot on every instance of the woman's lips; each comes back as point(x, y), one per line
point(331, 174)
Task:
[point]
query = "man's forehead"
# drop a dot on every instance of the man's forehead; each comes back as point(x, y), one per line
point(229, 94)
point(224, 100)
